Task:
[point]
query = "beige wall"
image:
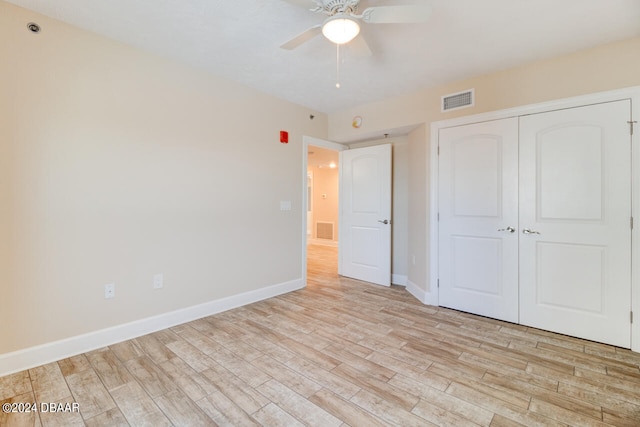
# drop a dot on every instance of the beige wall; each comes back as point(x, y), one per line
point(325, 181)
point(116, 165)
point(607, 67)
point(417, 217)
point(400, 209)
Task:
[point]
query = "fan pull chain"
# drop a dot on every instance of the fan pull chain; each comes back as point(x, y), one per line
point(337, 66)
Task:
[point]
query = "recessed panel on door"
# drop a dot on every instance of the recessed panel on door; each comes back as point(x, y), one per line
point(364, 249)
point(478, 189)
point(575, 209)
point(484, 275)
point(570, 168)
point(577, 289)
point(366, 193)
point(477, 172)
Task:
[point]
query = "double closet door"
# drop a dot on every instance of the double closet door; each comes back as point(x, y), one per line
point(535, 220)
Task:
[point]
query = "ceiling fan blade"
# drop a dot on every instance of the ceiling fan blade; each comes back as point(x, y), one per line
point(396, 14)
point(302, 37)
point(359, 46)
point(307, 4)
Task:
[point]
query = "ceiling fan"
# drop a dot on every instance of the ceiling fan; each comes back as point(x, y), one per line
point(341, 25)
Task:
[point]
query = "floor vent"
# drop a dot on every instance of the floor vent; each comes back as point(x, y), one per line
point(458, 100)
point(324, 230)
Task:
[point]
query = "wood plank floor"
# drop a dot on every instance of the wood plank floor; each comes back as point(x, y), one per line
point(340, 352)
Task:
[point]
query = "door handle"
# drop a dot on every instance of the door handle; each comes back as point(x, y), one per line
point(527, 231)
point(386, 221)
point(509, 229)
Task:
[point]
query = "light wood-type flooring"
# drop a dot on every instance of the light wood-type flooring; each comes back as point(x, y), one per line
point(340, 352)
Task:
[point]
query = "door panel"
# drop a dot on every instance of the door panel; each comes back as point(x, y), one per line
point(571, 288)
point(575, 186)
point(570, 169)
point(478, 192)
point(477, 176)
point(484, 274)
point(365, 240)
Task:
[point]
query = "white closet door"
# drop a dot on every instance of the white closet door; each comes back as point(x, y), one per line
point(478, 239)
point(575, 208)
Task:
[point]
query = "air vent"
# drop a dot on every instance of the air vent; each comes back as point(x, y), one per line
point(324, 230)
point(458, 100)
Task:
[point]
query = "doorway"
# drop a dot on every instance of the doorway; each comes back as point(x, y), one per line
point(364, 178)
point(322, 219)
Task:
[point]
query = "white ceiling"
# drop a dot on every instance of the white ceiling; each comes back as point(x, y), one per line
point(240, 39)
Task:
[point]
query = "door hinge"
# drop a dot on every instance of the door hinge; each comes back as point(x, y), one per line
point(438, 283)
point(438, 216)
point(631, 316)
point(631, 123)
point(631, 222)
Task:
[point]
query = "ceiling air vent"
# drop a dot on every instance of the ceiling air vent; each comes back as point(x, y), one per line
point(458, 100)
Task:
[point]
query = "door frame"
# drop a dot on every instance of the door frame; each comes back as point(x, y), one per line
point(632, 93)
point(317, 142)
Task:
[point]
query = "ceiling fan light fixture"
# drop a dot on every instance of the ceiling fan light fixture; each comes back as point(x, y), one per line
point(340, 29)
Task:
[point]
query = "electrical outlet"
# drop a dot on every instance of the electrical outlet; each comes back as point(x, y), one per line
point(157, 281)
point(109, 291)
point(285, 205)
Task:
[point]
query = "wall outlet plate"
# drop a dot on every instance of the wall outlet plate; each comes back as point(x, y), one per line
point(109, 291)
point(158, 281)
point(285, 205)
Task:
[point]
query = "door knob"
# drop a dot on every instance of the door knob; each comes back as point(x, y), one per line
point(527, 231)
point(386, 221)
point(509, 229)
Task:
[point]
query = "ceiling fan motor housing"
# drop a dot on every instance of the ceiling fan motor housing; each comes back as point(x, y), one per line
point(333, 7)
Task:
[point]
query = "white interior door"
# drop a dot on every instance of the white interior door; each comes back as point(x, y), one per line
point(478, 211)
point(365, 214)
point(575, 209)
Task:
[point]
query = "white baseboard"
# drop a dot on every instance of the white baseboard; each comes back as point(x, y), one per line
point(399, 279)
point(46, 353)
point(425, 297)
point(414, 290)
point(430, 298)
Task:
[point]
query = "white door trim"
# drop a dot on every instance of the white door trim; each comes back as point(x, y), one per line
point(306, 142)
point(632, 93)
